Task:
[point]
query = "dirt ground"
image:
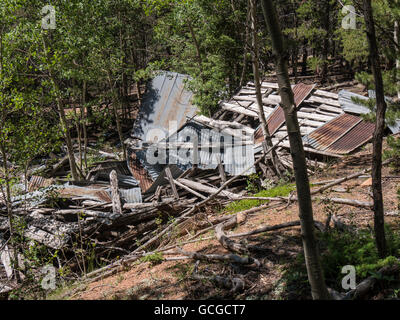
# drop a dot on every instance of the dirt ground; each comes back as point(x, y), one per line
point(172, 279)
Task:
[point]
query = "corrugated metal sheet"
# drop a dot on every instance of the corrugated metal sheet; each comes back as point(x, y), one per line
point(394, 125)
point(165, 100)
point(139, 172)
point(277, 118)
point(301, 91)
point(133, 195)
point(37, 182)
point(235, 155)
point(348, 105)
point(353, 139)
point(75, 191)
point(324, 136)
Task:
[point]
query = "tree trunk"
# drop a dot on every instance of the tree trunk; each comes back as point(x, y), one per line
point(257, 84)
point(396, 40)
point(311, 252)
point(115, 103)
point(325, 46)
point(378, 133)
point(85, 119)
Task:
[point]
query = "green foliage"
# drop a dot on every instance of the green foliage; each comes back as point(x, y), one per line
point(154, 258)
point(346, 248)
point(205, 43)
point(315, 63)
point(241, 205)
point(339, 249)
point(253, 184)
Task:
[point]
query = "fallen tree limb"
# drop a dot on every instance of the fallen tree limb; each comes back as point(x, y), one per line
point(232, 258)
point(265, 229)
point(349, 177)
point(350, 202)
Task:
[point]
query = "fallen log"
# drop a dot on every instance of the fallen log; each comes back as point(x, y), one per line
point(203, 188)
point(231, 258)
point(350, 202)
point(189, 190)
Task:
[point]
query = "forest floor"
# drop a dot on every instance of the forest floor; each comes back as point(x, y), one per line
point(282, 275)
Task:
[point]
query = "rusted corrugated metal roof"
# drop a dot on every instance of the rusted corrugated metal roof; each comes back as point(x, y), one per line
point(301, 91)
point(277, 118)
point(353, 139)
point(326, 135)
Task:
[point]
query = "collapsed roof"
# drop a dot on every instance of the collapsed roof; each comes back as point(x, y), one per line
point(330, 124)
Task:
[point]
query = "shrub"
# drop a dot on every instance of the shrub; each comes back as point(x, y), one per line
point(278, 191)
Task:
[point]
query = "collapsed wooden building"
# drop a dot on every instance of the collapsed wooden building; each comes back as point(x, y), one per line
point(177, 160)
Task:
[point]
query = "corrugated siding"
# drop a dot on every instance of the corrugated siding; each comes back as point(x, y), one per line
point(85, 192)
point(133, 195)
point(161, 179)
point(348, 105)
point(275, 120)
point(353, 139)
point(324, 136)
point(236, 159)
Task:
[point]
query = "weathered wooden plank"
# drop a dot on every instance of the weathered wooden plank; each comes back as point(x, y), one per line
point(330, 102)
point(171, 182)
point(115, 196)
point(330, 109)
point(203, 188)
point(189, 190)
point(46, 238)
point(221, 170)
point(238, 109)
point(5, 258)
point(311, 116)
point(326, 94)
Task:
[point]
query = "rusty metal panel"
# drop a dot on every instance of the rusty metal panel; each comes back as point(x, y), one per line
point(326, 135)
point(277, 118)
point(139, 172)
point(301, 91)
point(85, 192)
point(37, 182)
point(165, 100)
point(353, 139)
